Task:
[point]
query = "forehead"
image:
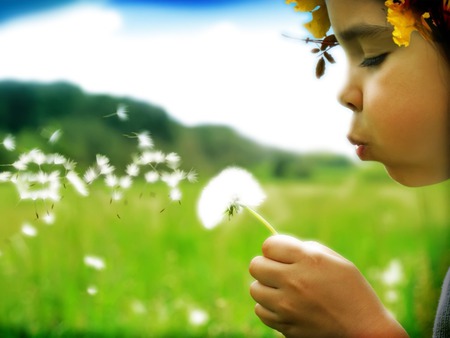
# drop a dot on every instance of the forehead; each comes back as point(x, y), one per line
point(345, 14)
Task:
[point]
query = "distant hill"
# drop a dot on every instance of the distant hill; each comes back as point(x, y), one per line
point(30, 111)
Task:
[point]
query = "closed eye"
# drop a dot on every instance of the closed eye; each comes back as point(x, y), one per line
point(374, 61)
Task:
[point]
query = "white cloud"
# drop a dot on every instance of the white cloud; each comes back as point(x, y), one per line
point(247, 77)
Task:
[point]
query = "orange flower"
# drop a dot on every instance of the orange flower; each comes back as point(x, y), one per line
point(402, 18)
point(320, 23)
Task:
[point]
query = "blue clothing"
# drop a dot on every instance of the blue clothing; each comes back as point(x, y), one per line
point(442, 321)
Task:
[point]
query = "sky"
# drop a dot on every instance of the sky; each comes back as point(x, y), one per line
point(205, 62)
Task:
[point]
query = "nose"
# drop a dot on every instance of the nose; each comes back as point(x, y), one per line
point(350, 96)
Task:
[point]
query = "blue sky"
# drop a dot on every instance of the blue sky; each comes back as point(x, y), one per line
point(222, 62)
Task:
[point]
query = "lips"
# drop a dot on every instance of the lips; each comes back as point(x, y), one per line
point(361, 147)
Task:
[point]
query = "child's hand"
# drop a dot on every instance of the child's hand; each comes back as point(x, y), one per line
point(304, 289)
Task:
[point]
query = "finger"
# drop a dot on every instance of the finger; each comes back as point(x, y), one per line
point(283, 249)
point(264, 295)
point(269, 318)
point(266, 271)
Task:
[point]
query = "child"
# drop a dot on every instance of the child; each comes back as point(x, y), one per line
point(398, 89)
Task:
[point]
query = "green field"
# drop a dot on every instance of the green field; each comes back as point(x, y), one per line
point(166, 276)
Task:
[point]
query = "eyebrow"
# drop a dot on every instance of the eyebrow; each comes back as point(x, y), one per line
point(363, 31)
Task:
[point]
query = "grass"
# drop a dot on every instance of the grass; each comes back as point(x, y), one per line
point(162, 266)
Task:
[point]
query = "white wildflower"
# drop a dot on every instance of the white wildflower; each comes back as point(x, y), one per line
point(151, 176)
point(94, 262)
point(227, 193)
point(9, 142)
point(198, 317)
point(29, 230)
point(77, 183)
point(55, 136)
point(132, 169)
point(144, 139)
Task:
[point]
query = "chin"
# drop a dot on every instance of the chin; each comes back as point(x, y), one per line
point(414, 179)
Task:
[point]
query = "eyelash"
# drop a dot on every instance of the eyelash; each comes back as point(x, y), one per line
point(374, 61)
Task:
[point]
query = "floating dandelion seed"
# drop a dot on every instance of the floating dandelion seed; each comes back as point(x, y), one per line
point(5, 176)
point(198, 317)
point(151, 176)
point(144, 139)
point(175, 195)
point(92, 290)
point(91, 175)
point(227, 193)
point(132, 169)
point(122, 112)
point(77, 183)
point(55, 136)
point(9, 143)
point(94, 262)
point(29, 230)
point(49, 218)
point(192, 176)
point(393, 274)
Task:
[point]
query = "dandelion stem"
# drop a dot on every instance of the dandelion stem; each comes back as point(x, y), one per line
point(262, 220)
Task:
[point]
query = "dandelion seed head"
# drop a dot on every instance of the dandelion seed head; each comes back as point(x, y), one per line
point(94, 262)
point(228, 191)
point(29, 230)
point(9, 143)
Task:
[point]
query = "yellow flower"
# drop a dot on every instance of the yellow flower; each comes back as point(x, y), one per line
point(403, 20)
point(320, 23)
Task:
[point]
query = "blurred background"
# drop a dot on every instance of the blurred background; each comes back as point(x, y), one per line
point(219, 83)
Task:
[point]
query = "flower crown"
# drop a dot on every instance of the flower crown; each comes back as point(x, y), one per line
point(405, 16)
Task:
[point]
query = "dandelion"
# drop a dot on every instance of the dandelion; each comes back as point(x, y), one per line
point(227, 194)
point(94, 262)
point(9, 143)
point(55, 136)
point(29, 230)
point(77, 183)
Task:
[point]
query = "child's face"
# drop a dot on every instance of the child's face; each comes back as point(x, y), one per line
point(399, 95)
